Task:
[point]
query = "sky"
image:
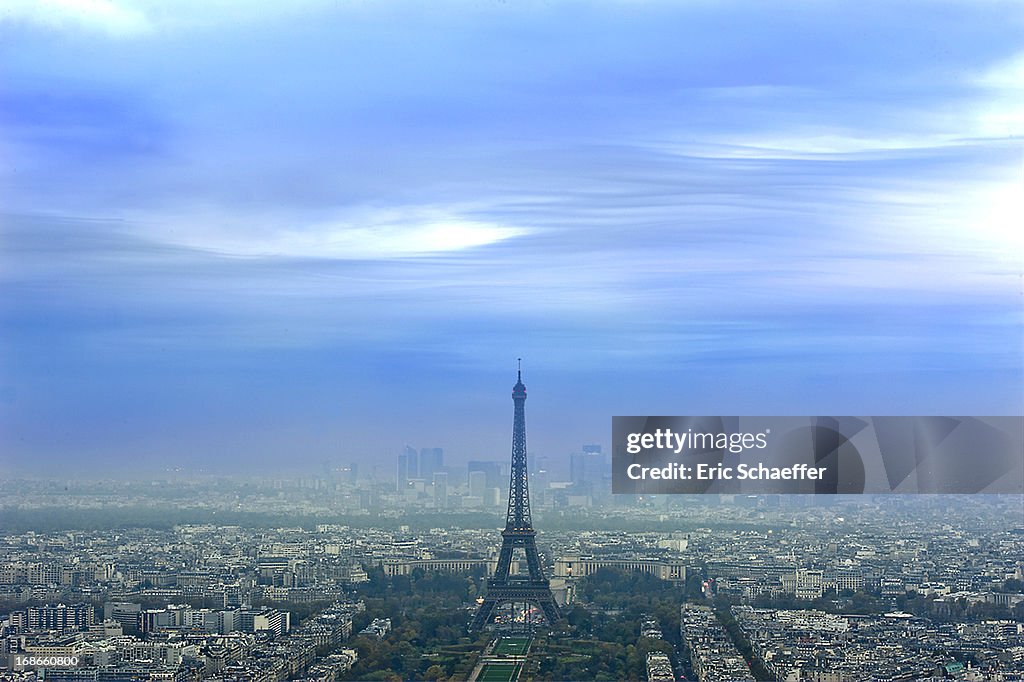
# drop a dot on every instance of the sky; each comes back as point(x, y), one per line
point(258, 236)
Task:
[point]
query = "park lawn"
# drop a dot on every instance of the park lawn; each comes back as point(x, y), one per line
point(512, 646)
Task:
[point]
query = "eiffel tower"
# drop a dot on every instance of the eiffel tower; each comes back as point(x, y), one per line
point(519, 532)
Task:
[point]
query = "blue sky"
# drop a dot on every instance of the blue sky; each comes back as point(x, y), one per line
point(245, 236)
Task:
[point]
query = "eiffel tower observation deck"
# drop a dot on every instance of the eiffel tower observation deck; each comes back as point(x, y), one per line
point(502, 588)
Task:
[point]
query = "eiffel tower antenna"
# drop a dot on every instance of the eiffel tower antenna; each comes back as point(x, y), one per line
point(519, 532)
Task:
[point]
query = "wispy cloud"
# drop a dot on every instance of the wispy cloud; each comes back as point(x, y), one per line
point(370, 235)
point(110, 17)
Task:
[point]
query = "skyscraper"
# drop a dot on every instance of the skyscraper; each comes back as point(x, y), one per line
point(440, 487)
point(588, 468)
point(492, 470)
point(431, 462)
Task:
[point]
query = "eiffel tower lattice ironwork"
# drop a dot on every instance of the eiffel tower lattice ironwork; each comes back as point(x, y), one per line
point(501, 587)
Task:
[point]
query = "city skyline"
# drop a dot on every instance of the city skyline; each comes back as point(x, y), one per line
point(181, 579)
point(256, 237)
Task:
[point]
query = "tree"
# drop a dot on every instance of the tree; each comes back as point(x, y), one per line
point(434, 673)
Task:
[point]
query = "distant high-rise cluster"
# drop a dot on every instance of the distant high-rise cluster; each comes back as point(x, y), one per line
point(421, 465)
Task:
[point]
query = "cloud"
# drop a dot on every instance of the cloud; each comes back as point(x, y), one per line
point(116, 19)
point(1000, 112)
point(1006, 74)
point(361, 235)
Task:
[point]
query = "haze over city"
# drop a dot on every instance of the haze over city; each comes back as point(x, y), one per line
point(266, 236)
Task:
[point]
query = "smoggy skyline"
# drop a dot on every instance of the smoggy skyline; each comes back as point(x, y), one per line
point(245, 236)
